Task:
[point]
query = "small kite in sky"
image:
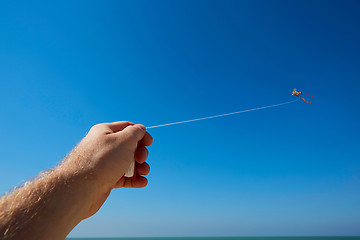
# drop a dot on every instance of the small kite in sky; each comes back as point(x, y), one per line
point(131, 170)
point(298, 93)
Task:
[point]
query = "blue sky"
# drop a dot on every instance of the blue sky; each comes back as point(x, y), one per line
point(291, 170)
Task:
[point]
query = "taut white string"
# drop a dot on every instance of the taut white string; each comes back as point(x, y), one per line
point(221, 115)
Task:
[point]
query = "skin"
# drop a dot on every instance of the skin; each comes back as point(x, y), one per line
point(50, 206)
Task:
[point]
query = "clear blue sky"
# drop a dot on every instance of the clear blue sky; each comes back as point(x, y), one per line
point(291, 170)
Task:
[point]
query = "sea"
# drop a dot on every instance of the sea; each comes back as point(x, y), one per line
point(225, 238)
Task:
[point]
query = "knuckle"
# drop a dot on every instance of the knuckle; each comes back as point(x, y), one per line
point(130, 137)
point(133, 136)
point(97, 126)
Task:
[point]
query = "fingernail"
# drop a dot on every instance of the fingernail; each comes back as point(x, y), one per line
point(142, 127)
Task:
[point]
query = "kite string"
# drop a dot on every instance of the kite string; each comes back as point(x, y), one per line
point(221, 115)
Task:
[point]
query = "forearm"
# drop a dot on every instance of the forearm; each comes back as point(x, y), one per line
point(47, 208)
point(51, 206)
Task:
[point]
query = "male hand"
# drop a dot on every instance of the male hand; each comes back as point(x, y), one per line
point(104, 156)
point(50, 206)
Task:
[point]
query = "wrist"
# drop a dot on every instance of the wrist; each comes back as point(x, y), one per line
point(84, 185)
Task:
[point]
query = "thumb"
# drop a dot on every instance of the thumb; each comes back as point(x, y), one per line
point(137, 131)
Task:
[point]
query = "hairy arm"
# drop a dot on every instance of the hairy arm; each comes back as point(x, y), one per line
point(52, 205)
point(48, 208)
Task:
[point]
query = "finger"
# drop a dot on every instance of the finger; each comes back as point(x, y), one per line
point(120, 183)
point(139, 182)
point(137, 131)
point(118, 126)
point(147, 140)
point(141, 154)
point(142, 169)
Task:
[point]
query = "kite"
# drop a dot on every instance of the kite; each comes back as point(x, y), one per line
point(130, 172)
point(298, 93)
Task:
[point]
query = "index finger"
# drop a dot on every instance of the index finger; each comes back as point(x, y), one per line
point(146, 140)
point(119, 126)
